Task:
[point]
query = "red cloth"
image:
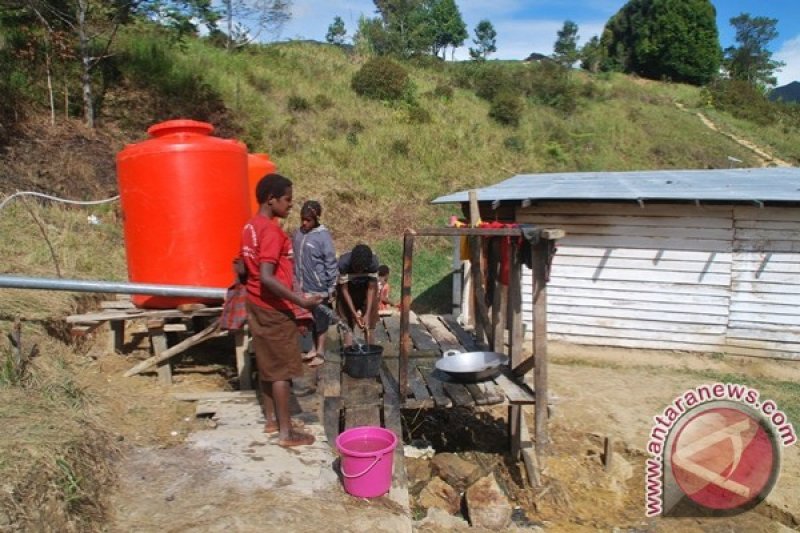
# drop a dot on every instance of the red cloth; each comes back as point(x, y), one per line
point(264, 241)
point(505, 244)
point(234, 311)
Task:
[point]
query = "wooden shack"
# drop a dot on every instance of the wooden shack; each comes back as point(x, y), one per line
point(696, 260)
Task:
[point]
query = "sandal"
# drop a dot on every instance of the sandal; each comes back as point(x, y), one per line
point(309, 356)
point(272, 426)
point(297, 439)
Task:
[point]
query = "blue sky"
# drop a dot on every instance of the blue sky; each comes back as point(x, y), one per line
point(531, 26)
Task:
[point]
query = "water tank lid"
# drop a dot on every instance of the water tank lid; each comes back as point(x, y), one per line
point(181, 125)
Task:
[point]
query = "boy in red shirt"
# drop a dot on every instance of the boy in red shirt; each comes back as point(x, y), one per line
point(271, 303)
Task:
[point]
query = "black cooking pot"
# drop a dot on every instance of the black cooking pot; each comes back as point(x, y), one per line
point(363, 360)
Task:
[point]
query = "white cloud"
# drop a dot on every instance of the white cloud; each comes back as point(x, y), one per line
point(789, 53)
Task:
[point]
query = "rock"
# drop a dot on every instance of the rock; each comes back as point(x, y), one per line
point(418, 472)
point(456, 471)
point(5, 520)
point(438, 494)
point(438, 517)
point(619, 474)
point(487, 504)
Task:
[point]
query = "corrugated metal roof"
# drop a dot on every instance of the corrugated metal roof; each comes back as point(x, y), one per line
point(719, 185)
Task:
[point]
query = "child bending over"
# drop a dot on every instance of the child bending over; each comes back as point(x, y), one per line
point(357, 295)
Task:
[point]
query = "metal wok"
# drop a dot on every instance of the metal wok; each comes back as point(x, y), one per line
point(471, 366)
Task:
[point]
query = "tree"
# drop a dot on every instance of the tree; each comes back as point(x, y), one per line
point(565, 49)
point(591, 55)
point(246, 20)
point(664, 39)
point(485, 40)
point(449, 27)
point(336, 31)
point(751, 61)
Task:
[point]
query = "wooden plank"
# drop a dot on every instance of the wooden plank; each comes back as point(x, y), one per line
point(423, 340)
point(676, 336)
point(443, 336)
point(417, 385)
point(381, 335)
point(361, 416)
point(332, 418)
point(117, 304)
point(478, 394)
point(652, 275)
point(515, 391)
point(392, 420)
point(244, 367)
point(213, 395)
point(464, 338)
point(769, 213)
point(113, 314)
point(557, 303)
point(715, 344)
point(656, 255)
point(357, 392)
point(650, 243)
point(767, 318)
point(435, 386)
point(116, 335)
point(652, 287)
point(158, 343)
point(392, 325)
point(492, 392)
point(210, 331)
point(457, 391)
point(657, 326)
point(529, 455)
point(540, 259)
point(598, 219)
point(614, 313)
point(625, 209)
point(405, 310)
point(712, 265)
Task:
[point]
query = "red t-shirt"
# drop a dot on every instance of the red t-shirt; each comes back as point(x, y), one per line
point(264, 241)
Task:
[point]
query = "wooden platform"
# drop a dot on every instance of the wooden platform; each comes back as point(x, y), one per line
point(349, 402)
point(197, 321)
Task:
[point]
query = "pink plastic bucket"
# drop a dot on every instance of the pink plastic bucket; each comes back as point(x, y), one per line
point(367, 456)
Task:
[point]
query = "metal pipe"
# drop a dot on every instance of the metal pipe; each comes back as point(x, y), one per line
point(121, 287)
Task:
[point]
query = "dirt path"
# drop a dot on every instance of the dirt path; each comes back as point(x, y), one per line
point(232, 477)
point(766, 159)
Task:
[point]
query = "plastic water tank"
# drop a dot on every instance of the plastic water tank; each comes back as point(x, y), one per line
point(258, 166)
point(184, 201)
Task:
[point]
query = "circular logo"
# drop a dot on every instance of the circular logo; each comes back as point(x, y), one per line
point(725, 457)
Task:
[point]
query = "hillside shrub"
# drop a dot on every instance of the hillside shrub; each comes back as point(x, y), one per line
point(418, 115)
point(323, 102)
point(551, 85)
point(743, 100)
point(515, 143)
point(298, 104)
point(507, 108)
point(443, 91)
point(400, 147)
point(382, 79)
point(491, 80)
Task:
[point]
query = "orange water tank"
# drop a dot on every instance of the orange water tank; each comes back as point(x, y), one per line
point(258, 166)
point(184, 202)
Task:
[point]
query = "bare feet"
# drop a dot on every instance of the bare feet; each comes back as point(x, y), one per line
point(297, 438)
point(272, 425)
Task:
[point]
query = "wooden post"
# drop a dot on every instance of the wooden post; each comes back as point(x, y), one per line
point(405, 308)
point(498, 299)
point(540, 259)
point(479, 301)
point(243, 366)
point(457, 281)
point(116, 335)
point(158, 341)
point(514, 311)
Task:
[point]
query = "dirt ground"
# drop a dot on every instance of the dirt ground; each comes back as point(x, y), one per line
point(168, 483)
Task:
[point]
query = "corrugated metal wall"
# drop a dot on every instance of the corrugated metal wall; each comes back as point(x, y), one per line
point(714, 278)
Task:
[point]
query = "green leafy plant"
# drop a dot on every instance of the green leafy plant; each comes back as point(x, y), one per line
point(382, 79)
point(506, 109)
